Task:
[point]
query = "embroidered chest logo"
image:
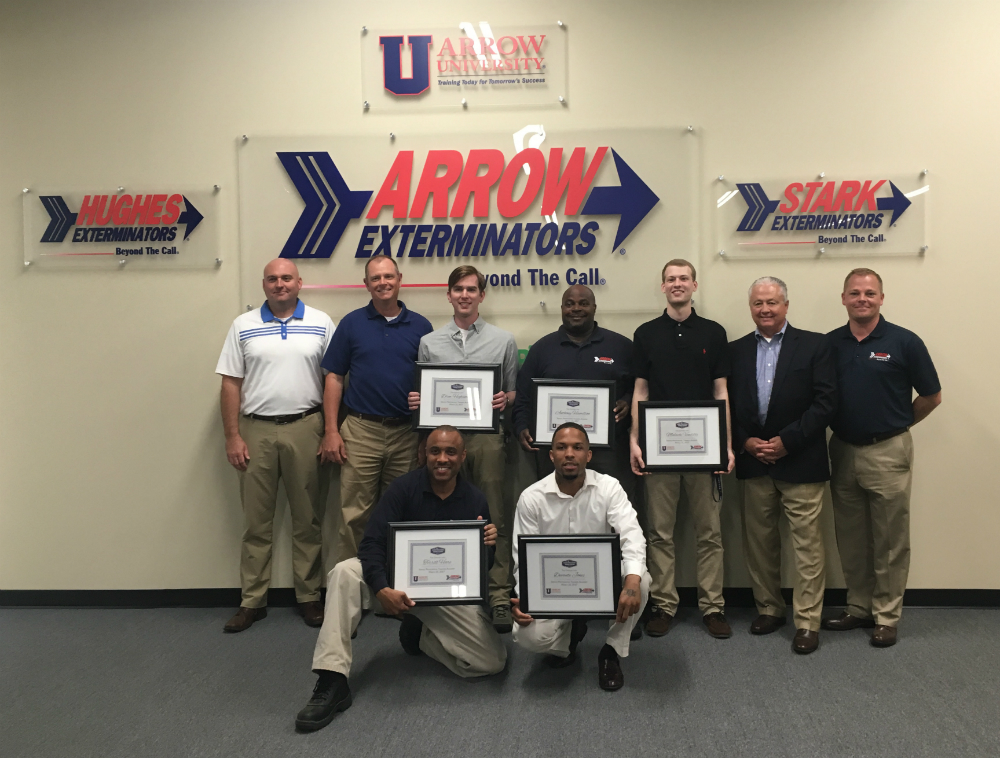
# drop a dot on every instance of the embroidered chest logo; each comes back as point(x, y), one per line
point(601, 359)
point(884, 357)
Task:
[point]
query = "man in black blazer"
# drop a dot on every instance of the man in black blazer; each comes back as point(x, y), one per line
point(783, 394)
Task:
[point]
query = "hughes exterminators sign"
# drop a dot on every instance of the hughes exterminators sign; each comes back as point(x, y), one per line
point(467, 65)
point(96, 228)
point(877, 215)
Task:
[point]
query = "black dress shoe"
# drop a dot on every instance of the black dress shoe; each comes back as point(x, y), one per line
point(845, 622)
point(609, 670)
point(577, 633)
point(636, 633)
point(312, 613)
point(330, 696)
point(806, 641)
point(765, 624)
point(884, 636)
point(409, 634)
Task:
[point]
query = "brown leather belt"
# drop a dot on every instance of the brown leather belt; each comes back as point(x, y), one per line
point(383, 420)
point(287, 419)
point(877, 438)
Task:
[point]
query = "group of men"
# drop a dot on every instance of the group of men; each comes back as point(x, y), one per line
point(299, 395)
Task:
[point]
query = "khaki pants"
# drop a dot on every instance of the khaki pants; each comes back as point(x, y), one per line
point(459, 636)
point(663, 491)
point(485, 467)
point(286, 452)
point(376, 455)
point(764, 500)
point(871, 507)
point(552, 635)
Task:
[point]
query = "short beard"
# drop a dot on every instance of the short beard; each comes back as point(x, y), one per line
point(569, 477)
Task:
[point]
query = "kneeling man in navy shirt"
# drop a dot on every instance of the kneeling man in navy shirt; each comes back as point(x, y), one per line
point(459, 636)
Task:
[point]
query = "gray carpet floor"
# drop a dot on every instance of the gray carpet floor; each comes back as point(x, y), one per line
point(168, 682)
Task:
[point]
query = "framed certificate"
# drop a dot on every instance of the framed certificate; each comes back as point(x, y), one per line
point(587, 403)
point(683, 435)
point(438, 562)
point(567, 575)
point(459, 394)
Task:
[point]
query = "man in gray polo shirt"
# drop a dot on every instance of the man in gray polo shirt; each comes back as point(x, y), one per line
point(467, 338)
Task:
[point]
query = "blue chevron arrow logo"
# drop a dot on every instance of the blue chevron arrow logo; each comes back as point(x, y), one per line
point(330, 205)
point(62, 218)
point(190, 216)
point(898, 203)
point(632, 200)
point(759, 207)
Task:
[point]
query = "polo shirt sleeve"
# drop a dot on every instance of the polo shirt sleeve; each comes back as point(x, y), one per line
point(373, 550)
point(331, 328)
point(508, 370)
point(231, 362)
point(720, 358)
point(522, 402)
point(640, 357)
point(920, 368)
point(482, 508)
point(423, 351)
point(337, 359)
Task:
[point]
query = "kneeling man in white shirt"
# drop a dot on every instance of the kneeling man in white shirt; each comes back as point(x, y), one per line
point(573, 500)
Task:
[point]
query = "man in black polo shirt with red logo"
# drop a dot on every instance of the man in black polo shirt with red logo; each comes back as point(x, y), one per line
point(681, 356)
point(879, 365)
point(580, 349)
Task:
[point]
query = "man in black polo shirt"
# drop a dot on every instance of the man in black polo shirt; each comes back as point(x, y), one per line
point(879, 365)
point(459, 636)
point(681, 356)
point(580, 349)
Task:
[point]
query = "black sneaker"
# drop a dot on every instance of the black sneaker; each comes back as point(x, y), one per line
point(330, 696)
point(409, 634)
point(503, 622)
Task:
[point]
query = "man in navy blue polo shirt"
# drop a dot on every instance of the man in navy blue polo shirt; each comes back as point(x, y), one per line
point(377, 346)
point(580, 349)
point(879, 365)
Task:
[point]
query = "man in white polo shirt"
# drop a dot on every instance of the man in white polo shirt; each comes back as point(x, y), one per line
point(272, 403)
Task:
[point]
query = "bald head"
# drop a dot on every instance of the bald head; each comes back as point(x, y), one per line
point(578, 309)
point(281, 286)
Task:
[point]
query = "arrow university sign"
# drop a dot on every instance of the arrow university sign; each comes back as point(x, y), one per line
point(525, 207)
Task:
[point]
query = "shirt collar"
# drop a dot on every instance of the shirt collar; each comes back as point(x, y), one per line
point(404, 315)
point(475, 326)
point(266, 315)
point(595, 336)
point(549, 484)
point(879, 331)
point(779, 333)
point(688, 322)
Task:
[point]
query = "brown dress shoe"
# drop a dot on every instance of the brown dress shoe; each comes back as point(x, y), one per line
point(312, 613)
point(717, 626)
point(884, 636)
point(659, 622)
point(806, 641)
point(765, 624)
point(609, 673)
point(845, 622)
point(244, 619)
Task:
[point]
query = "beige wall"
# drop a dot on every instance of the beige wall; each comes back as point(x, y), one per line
point(113, 473)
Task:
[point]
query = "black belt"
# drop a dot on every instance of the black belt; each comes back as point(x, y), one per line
point(384, 420)
point(279, 420)
point(866, 441)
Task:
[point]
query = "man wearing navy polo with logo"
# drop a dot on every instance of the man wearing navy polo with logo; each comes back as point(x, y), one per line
point(879, 365)
point(580, 349)
point(377, 347)
point(272, 395)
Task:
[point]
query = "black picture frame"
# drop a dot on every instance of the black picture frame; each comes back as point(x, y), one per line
point(605, 384)
point(469, 368)
point(721, 463)
point(524, 582)
point(482, 587)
